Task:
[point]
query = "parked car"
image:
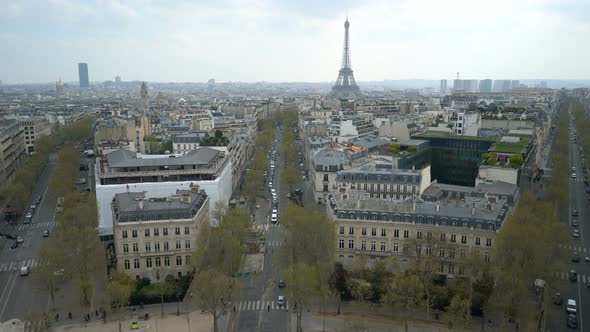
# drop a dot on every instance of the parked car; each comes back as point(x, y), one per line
point(19, 239)
point(576, 233)
point(46, 234)
point(573, 275)
point(557, 299)
point(571, 306)
point(575, 258)
point(282, 284)
point(572, 321)
point(575, 223)
point(281, 300)
point(574, 213)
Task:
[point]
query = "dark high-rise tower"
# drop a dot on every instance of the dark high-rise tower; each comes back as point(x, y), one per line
point(83, 74)
point(345, 84)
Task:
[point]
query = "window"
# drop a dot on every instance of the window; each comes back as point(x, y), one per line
point(178, 244)
point(177, 231)
point(341, 244)
point(136, 263)
point(488, 242)
point(405, 248)
point(428, 250)
point(351, 231)
point(165, 231)
point(453, 238)
point(418, 250)
point(158, 262)
point(125, 248)
point(167, 261)
point(187, 244)
point(452, 253)
point(325, 187)
point(178, 260)
point(373, 246)
point(487, 256)
point(374, 231)
point(395, 247)
point(148, 247)
point(419, 234)
point(406, 234)
point(135, 247)
point(350, 244)
point(124, 234)
point(396, 233)
point(383, 232)
point(187, 230)
point(148, 262)
point(364, 231)
point(187, 260)
point(156, 232)
point(157, 246)
point(382, 246)
point(441, 253)
point(127, 264)
point(341, 229)
point(462, 254)
point(429, 236)
point(463, 239)
point(451, 268)
point(147, 232)
point(477, 241)
point(166, 247)
point(363, 245)
point(325, 177)
point(365, 186)
point(134, 233)
point(443, 237)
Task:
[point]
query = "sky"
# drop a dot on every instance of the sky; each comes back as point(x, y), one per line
point(292, 40)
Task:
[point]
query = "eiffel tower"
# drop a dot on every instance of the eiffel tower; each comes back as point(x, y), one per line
point(345, 84)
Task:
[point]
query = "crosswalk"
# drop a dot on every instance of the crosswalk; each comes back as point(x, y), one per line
point(564, 276)
point(258, 305)
point(275, 244)
point(578, 249)
point(34, 326)
point(36, 225)
point(16, 265)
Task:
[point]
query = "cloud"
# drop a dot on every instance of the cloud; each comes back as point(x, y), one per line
point(288, 40)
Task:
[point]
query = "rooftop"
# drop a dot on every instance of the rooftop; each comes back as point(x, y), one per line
point(518, 145)
point(444, 134)
point(125, 158)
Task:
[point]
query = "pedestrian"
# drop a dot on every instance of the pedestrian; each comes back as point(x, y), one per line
point(234, 308)
point(69, 315)
point(268, 307)
point(95, 313)
point(56, 317)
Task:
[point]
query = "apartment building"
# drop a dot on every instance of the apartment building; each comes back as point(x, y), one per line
point(155, 237)
point(34, 128)
point(12, 149)
point(122, 171)
point(446, 222)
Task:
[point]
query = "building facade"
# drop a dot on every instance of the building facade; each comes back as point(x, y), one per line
point(33, 130)
point(156, 237)
point(83, 75)
point(12, 149)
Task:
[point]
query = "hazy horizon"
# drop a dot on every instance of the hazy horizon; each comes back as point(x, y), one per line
point(292, 41)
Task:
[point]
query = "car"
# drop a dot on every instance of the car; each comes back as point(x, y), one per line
point(557, 299)
point(586, 259)
point(270, 184)
point(572, 321)
point(38, 199)
point(574, 213)
point(574, 169)
point(273, 191)
point(46, 234)
point(274, 219)
point(281, 300)
point(573, 275)
point(576, 233)
point(575, 223)
point(14, 245)
point(571, 306)
point(575, 257)
point(24, 271)
point(135, 325)
point(574, 176)
point(27, 221)
point(29, 215)
point(19, 239)
point(33, 207)
point(282, 284)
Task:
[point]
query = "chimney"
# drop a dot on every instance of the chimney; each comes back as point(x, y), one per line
point(473, 209)
point(140, 203)
point(437, 207)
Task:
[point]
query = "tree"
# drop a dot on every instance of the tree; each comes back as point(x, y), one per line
point(516, 160)
point(119, 291)
point(457, 311)
point(338, 281)
point(290, 176)
point(405, 292)
point(213, 292)
point(303, 282)
point(394, 148)
point(45, 276)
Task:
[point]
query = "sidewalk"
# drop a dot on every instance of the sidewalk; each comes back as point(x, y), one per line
point(192, 322)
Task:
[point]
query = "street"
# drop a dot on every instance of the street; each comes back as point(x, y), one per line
point(576, 290)
point(18, 298)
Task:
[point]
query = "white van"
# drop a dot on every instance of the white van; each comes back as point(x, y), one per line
point(571, 306)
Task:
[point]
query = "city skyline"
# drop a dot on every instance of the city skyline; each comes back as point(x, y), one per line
point(283, 41)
